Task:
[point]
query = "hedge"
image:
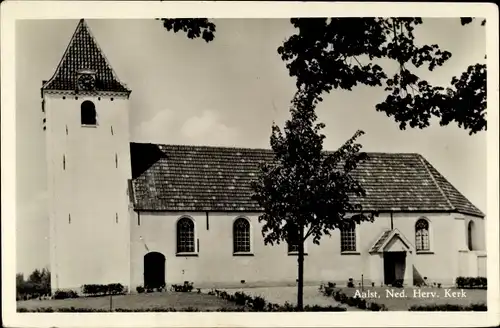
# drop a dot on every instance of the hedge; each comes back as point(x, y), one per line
point(449, 307)
point(61, 294)
point(153, 309)
point(472, 282)
point(100, 290)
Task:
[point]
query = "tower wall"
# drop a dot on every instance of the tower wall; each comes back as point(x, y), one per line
point(88, 169)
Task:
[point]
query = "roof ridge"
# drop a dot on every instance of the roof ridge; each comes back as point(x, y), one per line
point(89, 31)
point(257, 148)
point(70, 43)
point(423, 161)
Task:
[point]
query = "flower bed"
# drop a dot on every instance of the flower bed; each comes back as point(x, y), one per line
point(329, 291)
point(259, 304)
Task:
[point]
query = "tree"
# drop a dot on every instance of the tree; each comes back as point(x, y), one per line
point(305, 192)
point(328, 53)
point(37, 284)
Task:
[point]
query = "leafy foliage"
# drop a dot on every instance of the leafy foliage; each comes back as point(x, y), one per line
point(305, 192)
point(62, 294)
point(327, 53)
point(102, 290)
point(36, 286)
point(304, 187)
point(471, 282)
point(341, 53)
point(193, 27)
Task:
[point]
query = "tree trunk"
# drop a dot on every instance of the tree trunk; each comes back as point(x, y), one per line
point(300, 285)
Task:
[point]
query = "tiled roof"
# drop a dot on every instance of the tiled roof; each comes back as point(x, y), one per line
point(83, 52)
point(386, 237)
point(201, 178)
point(380, 241)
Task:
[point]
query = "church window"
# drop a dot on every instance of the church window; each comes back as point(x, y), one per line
point(470, 229)
point(185, 236)
point(422, 235)
point(348, 238)
point(241, 236)
point(88, 113)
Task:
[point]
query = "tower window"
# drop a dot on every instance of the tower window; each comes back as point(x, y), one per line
point(89, 116)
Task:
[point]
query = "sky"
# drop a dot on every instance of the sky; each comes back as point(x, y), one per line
point(225, 93)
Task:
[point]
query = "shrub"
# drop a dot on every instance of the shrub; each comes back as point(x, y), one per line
point(139, 289)
point(258, 303)
point(239, 298)
point(186, 287)
point(328, 291)
point(362, 304)
point(351, 301)
point(350, 283)
point(471, 282)
point(398, 283)
point(61, 294)
point(100, 290)
point(336, 296)
point(373, 306)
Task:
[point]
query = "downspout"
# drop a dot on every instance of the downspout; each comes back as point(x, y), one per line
point(208, 224)
point(392, 222)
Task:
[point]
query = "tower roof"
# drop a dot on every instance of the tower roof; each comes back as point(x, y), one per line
point(83, 53)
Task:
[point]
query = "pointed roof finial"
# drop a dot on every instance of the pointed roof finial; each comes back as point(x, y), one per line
point(84, 54)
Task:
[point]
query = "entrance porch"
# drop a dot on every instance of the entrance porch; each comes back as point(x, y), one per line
point(391, 260)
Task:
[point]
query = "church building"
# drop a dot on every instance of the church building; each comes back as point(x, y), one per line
point(153, 214)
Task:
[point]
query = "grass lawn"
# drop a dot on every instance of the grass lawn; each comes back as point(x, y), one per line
point(203, 302)
point(402, 302)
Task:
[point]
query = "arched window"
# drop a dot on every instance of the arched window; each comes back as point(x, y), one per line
point(348, 238)
point(185, 236)
point(241, 236)
point(422, 235)
point(470, 230)
point(88, 113)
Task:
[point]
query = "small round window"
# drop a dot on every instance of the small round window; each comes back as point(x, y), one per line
point(88, 112)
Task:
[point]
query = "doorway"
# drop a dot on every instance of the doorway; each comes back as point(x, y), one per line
point(394, 267)
point(154, 270)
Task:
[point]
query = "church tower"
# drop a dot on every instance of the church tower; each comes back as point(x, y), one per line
point(88, 160)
